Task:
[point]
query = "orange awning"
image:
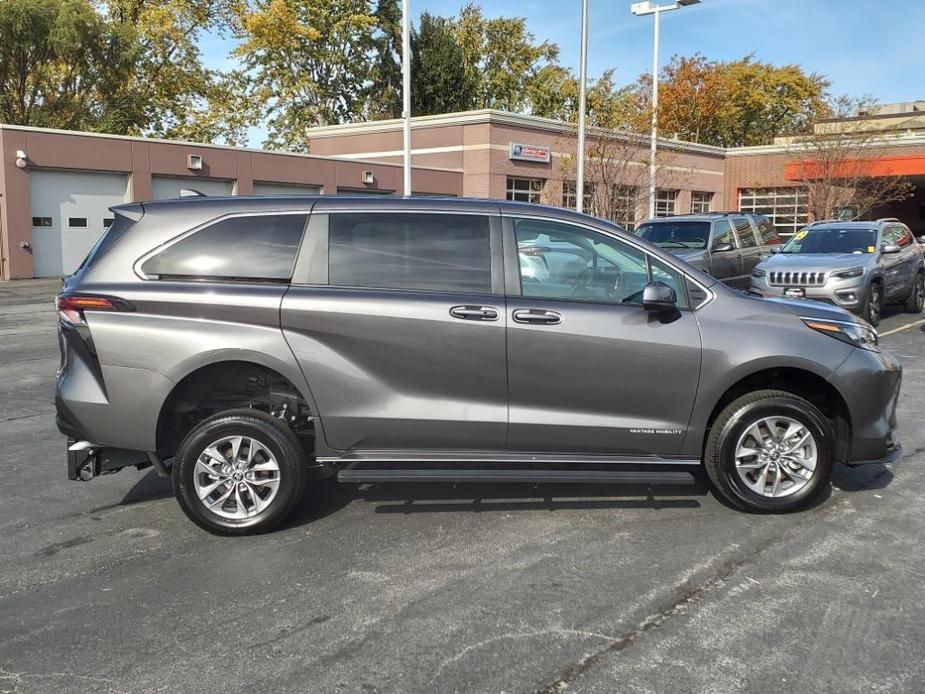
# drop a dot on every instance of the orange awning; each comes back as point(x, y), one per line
point(881, 167)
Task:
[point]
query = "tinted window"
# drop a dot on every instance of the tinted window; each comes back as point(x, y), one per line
point(114, 231)
point(436, 252)
point(257, 247)
point(744, 232)
point(767, 232)
point(562, 261)
point(671, 235)
point(722, 233)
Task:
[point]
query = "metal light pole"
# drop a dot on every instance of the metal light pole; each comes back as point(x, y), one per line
point(640, 9)
point(406, 92)
point(582, 107)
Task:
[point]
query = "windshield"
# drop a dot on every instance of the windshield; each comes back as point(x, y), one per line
point(676, 234)
point(832, 240)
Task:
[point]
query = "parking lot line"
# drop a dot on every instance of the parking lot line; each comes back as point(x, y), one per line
point(903, 327)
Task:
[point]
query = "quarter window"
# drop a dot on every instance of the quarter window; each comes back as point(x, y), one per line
point(431, 252)
point(701, 201)
point(524, 189)
point(665, 202)
point(256, 247)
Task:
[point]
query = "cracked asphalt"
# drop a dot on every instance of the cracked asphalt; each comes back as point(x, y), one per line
point(106, 587)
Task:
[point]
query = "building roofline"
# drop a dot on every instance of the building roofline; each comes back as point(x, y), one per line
point(901, 140)
point(495, 117)
point(209, 145)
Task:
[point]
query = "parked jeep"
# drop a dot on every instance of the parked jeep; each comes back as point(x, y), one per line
point(727, 245)
point(859, 266)
point(246, 345)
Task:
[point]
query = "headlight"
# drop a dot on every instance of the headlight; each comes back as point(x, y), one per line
point(758, 272)
point(857, 334)
point(853, 272)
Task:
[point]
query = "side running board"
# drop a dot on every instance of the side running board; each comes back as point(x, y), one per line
point(488, 475)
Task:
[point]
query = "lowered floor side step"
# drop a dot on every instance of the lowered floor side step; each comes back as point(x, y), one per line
point(488, 475)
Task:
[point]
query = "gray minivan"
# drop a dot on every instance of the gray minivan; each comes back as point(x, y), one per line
point(245, 346)
point(727, 245)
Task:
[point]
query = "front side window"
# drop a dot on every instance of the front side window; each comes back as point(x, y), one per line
point(665, 202)
point(253, 247)
point(524, 189)
point(418, 251)
point(566, 262)
point(660, 272)
point(701, 201)
point(676, 235)
point(832, 240)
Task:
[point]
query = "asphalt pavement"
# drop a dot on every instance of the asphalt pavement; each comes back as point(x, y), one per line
point(107, 587)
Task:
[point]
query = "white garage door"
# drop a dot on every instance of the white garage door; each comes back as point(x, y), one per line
point(168, 187)
point(265, 188)
point(70, 211)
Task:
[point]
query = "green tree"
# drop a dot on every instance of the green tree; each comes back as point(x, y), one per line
point(383, 95)
point(440, 82)
point(62, 65)
point(308, 63)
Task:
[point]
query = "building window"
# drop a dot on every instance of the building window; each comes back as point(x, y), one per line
point(570, 197)
point(41, 221)
point(77, 222)
point(623, 206)
point(107, 222)
point(524, 189)
point(701, 201)
point(786, 207)
point(665, 202)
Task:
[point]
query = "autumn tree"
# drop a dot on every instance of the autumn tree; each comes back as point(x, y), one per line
point(62, 65)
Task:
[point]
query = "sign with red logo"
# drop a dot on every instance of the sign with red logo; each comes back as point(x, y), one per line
point(538, 153)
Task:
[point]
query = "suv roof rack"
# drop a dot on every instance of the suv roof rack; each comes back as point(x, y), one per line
point(888, 219)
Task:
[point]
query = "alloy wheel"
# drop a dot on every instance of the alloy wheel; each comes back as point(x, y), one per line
point(873, 304)
point(776, 456)
point(236, 477)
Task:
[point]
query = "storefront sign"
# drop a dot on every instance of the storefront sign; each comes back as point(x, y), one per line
point(538, 153)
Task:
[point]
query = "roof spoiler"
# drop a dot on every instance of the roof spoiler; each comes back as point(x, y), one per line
point(191, 193)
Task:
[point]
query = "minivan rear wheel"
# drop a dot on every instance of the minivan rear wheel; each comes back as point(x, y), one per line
point(239, 472)
point(770, 450)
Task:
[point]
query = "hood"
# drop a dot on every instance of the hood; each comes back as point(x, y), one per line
point(807, 308)
point(817, 262)
point(695, 256)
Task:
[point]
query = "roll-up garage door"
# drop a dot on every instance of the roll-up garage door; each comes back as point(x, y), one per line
point(168, 187)
point(267, 188)
point(70, 211)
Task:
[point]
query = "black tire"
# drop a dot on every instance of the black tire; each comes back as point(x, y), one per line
point(916, 300)
point(732, 422)
point(873, 305)
point(268, 431)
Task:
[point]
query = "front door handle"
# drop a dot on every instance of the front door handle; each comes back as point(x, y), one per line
point(487, 313)
point(537, 316)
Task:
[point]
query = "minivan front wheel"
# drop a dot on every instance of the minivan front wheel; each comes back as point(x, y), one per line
point(770, 451)
point(239, 472)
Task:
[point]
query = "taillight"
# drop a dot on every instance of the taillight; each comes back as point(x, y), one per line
point(71, 307)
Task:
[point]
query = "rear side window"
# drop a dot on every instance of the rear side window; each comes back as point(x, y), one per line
point(722, 233)
point(433, 252)
point(118, 228)
point(254, 247)
point(744, 232)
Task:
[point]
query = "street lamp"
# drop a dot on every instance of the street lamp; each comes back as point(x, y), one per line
point(406, 94)
point(582, 107)
point(641, 9)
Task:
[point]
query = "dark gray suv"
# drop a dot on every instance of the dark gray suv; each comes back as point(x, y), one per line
point(248, 345)
point(727, 245)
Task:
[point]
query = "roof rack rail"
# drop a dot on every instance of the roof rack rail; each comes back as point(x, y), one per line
point(191, 193)
point(888, 219)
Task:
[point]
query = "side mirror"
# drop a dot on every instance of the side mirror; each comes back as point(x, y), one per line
point(658, 296)
point(890, 248)
point(723, 248)
point(774, 250)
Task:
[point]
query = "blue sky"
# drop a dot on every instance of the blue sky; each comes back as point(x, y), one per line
point(871, 47)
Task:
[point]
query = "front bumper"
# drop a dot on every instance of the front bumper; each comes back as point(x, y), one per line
point(848, 294)
point(870, 384)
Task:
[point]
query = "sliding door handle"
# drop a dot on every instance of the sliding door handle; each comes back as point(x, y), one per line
point(537, 316)
point(485, 313)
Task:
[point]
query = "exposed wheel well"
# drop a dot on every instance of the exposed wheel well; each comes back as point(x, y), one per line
point(808, 386)
point(230, 385)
